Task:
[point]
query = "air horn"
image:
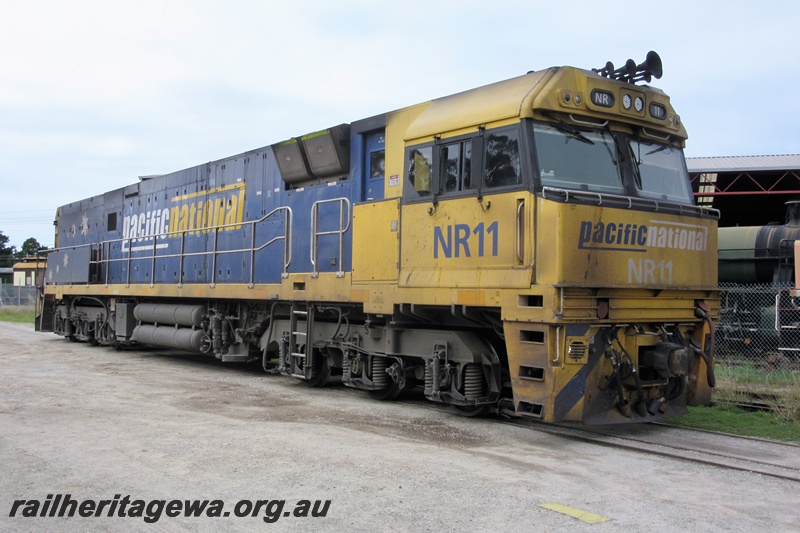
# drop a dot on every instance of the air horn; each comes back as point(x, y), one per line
point(631, 72)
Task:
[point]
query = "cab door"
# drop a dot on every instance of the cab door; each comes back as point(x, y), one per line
point(467, 216)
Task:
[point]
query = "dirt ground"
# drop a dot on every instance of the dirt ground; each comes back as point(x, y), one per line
point(100, 424)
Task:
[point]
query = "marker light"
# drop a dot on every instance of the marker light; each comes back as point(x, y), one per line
point(626, 101)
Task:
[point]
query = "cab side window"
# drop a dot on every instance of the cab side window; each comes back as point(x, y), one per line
point(502, 159)
point(377, 164)
point(455, 165)
point(481, 162)
point(420, 163)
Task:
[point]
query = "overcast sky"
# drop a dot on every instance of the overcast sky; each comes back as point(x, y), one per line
point(94, 94)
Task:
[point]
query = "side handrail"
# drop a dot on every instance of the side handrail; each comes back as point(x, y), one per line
point(681, 209)
point(345, 209)
point(104, 248)
point(521, 232)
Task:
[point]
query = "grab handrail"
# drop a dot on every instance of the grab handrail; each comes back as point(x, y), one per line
point(104, 248)
point(344, 226)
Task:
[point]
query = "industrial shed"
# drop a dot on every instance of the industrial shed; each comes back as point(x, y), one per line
point(748, 190)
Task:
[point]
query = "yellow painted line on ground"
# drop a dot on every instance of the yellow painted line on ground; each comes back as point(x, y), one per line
point(583, 516)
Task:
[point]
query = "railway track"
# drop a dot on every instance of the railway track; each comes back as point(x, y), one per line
point(748, 454)
point(723, 450)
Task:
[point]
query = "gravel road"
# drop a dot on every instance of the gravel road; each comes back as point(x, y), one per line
point(100, 424)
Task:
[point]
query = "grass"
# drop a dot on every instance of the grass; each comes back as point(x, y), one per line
point(738, 421)
point(748, 373)
point(24, 314)
point(776, 387)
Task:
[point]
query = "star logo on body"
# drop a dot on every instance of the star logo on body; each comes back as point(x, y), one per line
point(85, 225)
point(66, 260)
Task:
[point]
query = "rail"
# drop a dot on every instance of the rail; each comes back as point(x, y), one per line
point(629, 202)
point(103, 249)
point(344, 226)
point(520, 232)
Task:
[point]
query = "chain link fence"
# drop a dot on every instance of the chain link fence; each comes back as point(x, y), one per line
point(15, 296)
point(758, 347)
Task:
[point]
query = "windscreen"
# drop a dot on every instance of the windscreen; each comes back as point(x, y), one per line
point(573, 159)
point(662, 172)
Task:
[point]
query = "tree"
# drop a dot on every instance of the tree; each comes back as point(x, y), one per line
point(29, 248)
point(6, 252)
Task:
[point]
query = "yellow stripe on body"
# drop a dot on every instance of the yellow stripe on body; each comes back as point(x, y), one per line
point(209, 191)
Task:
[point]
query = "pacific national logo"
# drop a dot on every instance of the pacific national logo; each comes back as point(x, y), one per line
point(623, 237)
point(190, 214)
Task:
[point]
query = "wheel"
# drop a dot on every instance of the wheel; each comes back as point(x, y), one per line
point(323, 371)
point(387, 394)
point(472, 411)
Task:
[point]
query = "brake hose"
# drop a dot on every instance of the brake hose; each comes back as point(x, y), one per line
point(708, 357)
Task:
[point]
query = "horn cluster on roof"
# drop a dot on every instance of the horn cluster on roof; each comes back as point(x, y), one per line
point(631, 72)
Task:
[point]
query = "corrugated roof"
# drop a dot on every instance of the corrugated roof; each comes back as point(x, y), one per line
point(744, 163)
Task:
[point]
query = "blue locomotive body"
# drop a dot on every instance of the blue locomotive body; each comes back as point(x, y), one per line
point(226, 221)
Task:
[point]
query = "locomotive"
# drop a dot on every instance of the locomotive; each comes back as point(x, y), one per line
point(529, 248)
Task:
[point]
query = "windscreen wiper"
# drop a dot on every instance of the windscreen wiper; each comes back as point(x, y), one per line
point(637, 172)
point(661, 148)
point(573, 132)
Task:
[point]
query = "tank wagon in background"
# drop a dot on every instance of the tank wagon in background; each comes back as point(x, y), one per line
point(760, 254)
point(530, 248)
point(760, 310)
